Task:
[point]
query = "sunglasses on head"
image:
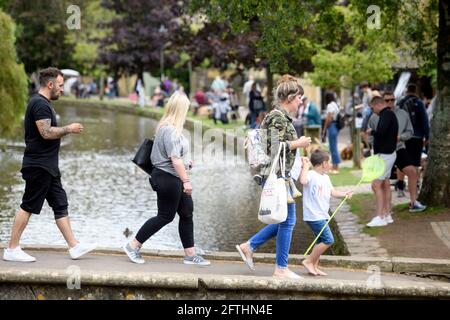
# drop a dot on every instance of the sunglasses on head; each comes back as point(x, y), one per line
point(389, 100)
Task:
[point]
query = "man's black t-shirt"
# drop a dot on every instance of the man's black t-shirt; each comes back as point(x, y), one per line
point(38, 151)
point(385, 136)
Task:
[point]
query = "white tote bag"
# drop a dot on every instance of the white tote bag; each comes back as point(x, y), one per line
point(273, 206)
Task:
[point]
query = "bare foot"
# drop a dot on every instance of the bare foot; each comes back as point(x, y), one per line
point(309, 266)
point(286, 274)
point(320, 272)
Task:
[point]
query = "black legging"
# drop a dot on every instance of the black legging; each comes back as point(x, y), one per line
point(171, 200)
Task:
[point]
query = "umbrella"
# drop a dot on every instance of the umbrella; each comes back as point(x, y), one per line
point(70, 73)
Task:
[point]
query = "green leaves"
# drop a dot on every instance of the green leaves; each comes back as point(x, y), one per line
point(351, 66)
point(13, 80)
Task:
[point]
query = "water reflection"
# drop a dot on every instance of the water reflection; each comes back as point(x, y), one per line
point(108, 193)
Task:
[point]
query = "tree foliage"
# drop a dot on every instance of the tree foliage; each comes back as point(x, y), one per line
point(41, 33)
point(287, 32)
point(411, 26)
point(86, 41)
point(368, 56)
point(13, 79)
point(139, 32)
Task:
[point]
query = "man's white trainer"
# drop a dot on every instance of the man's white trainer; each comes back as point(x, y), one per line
point(389, 219)
point(17, 255)
point(80, 250)
point(377, 222)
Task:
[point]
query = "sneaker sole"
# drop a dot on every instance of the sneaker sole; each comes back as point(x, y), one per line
point(417, 210)
point(198, 264)
point(244, 258)
point(14, 260)
point(381, 225)
point(134, 261)
point(82, 254)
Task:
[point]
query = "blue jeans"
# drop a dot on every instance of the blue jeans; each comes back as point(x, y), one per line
point(253, 118)
point(326, 237)
point(333, 133)
point(283, 232)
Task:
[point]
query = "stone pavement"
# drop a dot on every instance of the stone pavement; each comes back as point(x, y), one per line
point(442, 231)
point(109, 268)
point(359, 243)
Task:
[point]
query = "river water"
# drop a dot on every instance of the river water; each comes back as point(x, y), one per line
point(108, 194)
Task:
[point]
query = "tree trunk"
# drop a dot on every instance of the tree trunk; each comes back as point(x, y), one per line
point(269, 76)
point(102, 87)
point(356, 135)
point(436, 183)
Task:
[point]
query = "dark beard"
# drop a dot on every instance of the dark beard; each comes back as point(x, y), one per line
point(54, 96)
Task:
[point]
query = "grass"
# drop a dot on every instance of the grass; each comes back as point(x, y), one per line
point(360, 205)
point(402, 211)
point(363, 206)
point(346, 177)
point(239, 124)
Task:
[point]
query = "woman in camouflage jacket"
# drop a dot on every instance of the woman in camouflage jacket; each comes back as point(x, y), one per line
point(279, 128)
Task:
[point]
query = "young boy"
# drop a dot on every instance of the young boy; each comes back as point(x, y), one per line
point(317, 191)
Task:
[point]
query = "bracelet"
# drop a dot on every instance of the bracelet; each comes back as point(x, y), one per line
point(185, 181)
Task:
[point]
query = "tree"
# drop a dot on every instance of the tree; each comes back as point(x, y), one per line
point(41, 33)
point(286, 33)
point(436, 182)
point(86, 41)
point(423, 26)
point(140, 33)
point(13, 79)
point(369, 57)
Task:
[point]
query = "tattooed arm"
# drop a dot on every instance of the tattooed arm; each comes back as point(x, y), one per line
point(52, 133)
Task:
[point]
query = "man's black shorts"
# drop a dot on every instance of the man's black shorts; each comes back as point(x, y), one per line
point(414, 146)
point(40, 185)
point(403, 159)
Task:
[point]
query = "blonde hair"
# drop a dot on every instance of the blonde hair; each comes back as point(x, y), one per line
point(288, 87)
point(175, 112)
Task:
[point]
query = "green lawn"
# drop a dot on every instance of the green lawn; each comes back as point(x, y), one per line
point(402, 211)
point(239, 124)
point(345, 177)
point(363, 206)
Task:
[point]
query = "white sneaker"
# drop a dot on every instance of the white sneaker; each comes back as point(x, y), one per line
point(80, 250)
point(389, 219)
point(17, 255)
point(377, 222)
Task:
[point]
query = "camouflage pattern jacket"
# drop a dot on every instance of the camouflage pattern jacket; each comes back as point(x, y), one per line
point(277, 127)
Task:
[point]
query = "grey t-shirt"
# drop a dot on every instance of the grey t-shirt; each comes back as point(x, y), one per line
point(166, 145)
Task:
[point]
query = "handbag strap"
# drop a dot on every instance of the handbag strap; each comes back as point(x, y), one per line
point(283, 161)
point(276, 159)
point(275, 109)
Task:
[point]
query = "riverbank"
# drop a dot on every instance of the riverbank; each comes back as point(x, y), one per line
point(302, 236)
point(108, 274)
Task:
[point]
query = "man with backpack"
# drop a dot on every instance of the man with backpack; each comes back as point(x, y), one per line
point(256, 104)
point(419, 119)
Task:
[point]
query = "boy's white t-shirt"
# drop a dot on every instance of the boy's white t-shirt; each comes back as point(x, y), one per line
point(316, 197)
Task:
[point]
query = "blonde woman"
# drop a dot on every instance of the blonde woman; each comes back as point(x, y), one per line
point(170, 158)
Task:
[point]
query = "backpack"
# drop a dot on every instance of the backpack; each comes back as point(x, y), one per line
point(258, 104)
point(256, 152)
point(340, 120)
point(411, 105)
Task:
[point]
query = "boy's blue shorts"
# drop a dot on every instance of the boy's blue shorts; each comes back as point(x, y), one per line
point(326, 237)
